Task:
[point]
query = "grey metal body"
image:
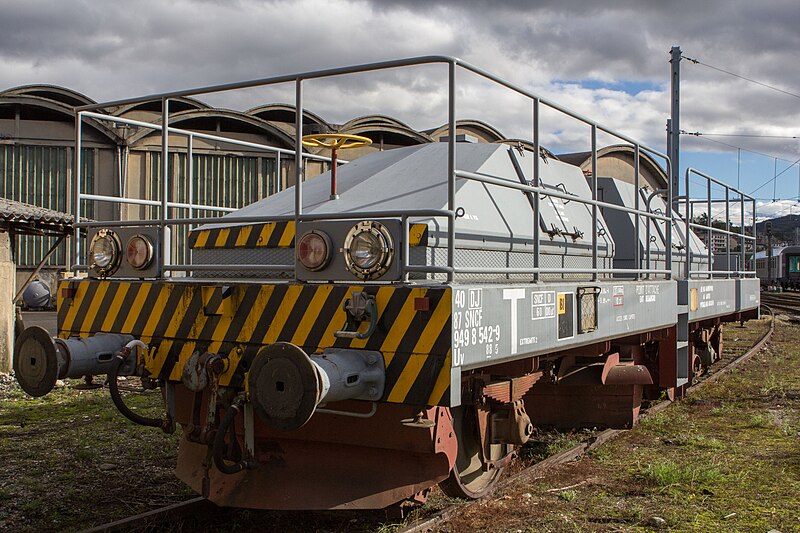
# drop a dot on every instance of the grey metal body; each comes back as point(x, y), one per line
point(92, 355)
point(350, 374)
point(495, 229)
point(492, 323)
point(652, 238)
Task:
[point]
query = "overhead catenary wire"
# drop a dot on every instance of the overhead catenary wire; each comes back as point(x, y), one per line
point(752, 135)
point(774, 178)
point(701, 136)
point(739, 148)
point(762, 84)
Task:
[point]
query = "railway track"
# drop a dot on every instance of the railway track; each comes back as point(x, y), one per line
point(788, 302)
point(155, 519)
point(576, 452)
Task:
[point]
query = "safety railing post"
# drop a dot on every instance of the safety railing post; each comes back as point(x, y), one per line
point(190, 185)
point(298, 157)
point(451, 166)
point(76, 192)
point(637, 259)
point(710, 230)
point(742, 239)
point(165, 179)
point(536, 183)
point(754, 228)
point(594, 206)
point(688, 229)
point(728, 228)
point(670, 206)
point(406, 261)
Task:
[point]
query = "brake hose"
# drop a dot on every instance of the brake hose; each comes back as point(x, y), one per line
point(219, 440)
point(113, 388)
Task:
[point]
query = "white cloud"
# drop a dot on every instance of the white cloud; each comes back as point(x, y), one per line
point(108, 51)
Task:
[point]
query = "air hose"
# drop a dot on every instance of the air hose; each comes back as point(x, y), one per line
point(113, 388)
point(219, 440)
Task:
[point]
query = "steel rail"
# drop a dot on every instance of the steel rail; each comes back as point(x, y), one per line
point(535, 470)
point(176, 510)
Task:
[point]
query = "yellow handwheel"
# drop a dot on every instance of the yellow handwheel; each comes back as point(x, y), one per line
point(335, 141)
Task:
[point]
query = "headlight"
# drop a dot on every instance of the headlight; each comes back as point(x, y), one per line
point(314, 250)
point(139, 252)
point(104, 252)
point(368, 250)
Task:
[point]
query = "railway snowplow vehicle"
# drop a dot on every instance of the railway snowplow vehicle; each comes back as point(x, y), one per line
point(404, 320)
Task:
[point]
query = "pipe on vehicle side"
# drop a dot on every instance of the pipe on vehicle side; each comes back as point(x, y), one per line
point(40, 360)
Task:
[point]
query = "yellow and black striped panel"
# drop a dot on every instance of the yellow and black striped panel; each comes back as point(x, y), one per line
point(176, 319)
point(266, 235)
point(270, 235)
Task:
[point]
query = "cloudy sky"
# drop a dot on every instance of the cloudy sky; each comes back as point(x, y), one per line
point(607, 63)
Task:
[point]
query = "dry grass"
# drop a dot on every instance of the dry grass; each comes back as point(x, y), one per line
point(725, 459)
point(71, 461)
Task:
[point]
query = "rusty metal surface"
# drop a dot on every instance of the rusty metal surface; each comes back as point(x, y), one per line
point(628, 375)
point(333, 462)
point(568, 406)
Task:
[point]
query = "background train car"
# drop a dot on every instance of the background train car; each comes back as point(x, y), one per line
point(782, 269)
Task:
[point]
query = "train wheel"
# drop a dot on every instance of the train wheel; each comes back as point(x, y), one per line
point(469, 479)
point(697, 368)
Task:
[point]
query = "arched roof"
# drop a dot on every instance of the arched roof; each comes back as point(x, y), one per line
point(384, 130)
point(646, 162)
point(40, 108)
point(230, 122)
point(286, 113)
point(51, 92)
point(484, 130)
point(175, 105)
point(374, 120)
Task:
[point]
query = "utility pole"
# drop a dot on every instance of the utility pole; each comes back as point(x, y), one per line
point(673, 142)
point(768, 228)
point(738, 168)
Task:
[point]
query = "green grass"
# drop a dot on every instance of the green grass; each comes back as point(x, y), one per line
point(725, 459)
point(567, 495)
point(758, 420)
point(667, 473)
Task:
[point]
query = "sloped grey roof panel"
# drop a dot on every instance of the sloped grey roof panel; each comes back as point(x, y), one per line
point(26, 218)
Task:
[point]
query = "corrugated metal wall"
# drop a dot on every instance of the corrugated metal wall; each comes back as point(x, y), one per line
point(218, 180)
point(38, 175)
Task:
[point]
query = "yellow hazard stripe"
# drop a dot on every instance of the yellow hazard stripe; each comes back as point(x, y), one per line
point(271, 235)
point(411, 371)
point(442, 384)
point(116, 305)
point(303, 329)
point(222, 238)
point(138, 304)
point(239, 319)
point(402, 322)
point(202, 239)
point(243, 235)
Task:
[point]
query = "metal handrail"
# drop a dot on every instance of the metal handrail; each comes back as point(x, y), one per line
point(711, 231)
point(453, 64)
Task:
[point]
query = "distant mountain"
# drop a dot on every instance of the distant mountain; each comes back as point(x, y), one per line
point(784, 229)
